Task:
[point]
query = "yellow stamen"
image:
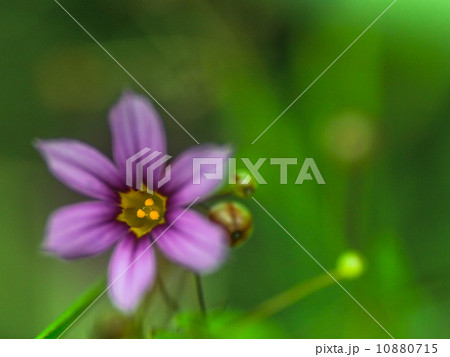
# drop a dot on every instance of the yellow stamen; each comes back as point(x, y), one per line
point(154, 215)
point(142, 211)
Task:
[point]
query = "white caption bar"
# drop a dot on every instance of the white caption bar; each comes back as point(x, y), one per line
point(225, 348)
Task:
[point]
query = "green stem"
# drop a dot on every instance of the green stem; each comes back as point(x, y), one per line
point(200, 296)
point(173, 305)
point(289, 297)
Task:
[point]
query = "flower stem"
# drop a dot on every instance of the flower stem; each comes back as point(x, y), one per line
point(173, 305)
point(200, 296)
point(289, 297)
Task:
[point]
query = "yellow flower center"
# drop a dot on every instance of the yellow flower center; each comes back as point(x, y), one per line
point(142, 211)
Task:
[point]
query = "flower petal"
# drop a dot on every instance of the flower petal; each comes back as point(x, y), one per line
point(192, 241)
point(135, 125)
point(181, 188)
point(81, 167)
point(132, 270)
point(83, 229)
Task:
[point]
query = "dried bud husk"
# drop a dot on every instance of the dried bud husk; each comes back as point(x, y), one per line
point(235, 218)
point(245, 185)
point(117, 326)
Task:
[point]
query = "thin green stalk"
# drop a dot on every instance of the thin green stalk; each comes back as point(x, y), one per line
point(200, 296)
point(288, 297)
point(173, 305)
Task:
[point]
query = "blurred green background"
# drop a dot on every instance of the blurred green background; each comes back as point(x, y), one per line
point(376, 124)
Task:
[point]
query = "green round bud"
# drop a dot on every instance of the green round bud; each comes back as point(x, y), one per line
point(245, 185)
point(350, 265)
point(235, 218)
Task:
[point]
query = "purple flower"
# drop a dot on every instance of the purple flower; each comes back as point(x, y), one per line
point(129, 219)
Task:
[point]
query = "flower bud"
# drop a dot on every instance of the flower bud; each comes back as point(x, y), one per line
point(245, 185)
point(235, 218)
point(350, 265)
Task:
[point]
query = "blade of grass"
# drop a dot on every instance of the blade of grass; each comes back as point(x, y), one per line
point(71, 314)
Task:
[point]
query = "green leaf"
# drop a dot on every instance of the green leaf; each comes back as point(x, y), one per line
point(74, 312)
